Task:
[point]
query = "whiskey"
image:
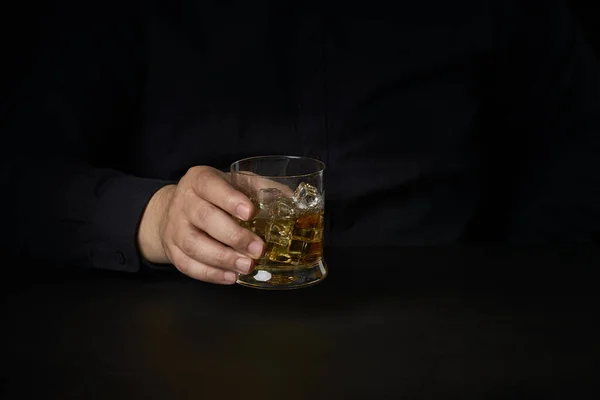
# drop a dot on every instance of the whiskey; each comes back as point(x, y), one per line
point(292, 228)
point(291, 243)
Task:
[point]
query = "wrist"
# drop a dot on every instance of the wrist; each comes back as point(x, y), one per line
point(149, 238)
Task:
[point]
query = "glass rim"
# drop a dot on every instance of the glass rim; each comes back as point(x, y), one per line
point(319, 162)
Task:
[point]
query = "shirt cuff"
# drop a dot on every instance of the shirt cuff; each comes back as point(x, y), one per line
point(117, 220)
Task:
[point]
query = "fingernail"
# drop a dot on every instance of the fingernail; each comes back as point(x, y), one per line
point(243, 211)
point(255, 249)
point(231, 277)
point(243, 265)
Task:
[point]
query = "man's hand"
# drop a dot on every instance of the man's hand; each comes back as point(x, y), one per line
point(190, 225)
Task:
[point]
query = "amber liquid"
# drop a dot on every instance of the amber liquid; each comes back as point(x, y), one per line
point(292, 243)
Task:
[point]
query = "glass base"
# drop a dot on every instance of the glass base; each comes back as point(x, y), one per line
point(278, 278)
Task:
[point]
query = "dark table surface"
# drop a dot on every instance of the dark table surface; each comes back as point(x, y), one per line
point(387, 323)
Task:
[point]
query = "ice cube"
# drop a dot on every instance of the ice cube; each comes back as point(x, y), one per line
point(267, 197)
point(279, 232)
point(282, 209)
point(307, 197)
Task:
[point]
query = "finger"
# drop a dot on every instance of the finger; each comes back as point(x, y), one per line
point(221, 227)
point(208, 251)
point(211, 185)
point(200, 271)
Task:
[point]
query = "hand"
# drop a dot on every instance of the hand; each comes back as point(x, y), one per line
point(190, 225)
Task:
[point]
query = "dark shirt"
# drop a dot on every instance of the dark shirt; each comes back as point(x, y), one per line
point(440, 122)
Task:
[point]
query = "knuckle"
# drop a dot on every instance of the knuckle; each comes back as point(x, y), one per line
point(195, 170)
point(188, 244)
point(181, 263)
point(235, 236)
point(203, 179)
point(204, 274)
point(222, 257)
point(188, 193)
point(203, 214)
point(180, 196)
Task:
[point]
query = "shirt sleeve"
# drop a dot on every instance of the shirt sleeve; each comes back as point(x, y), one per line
point(547, 134)
point(68, 131)
point(70, 213)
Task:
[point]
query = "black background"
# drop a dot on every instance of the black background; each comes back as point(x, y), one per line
point(21, 21)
